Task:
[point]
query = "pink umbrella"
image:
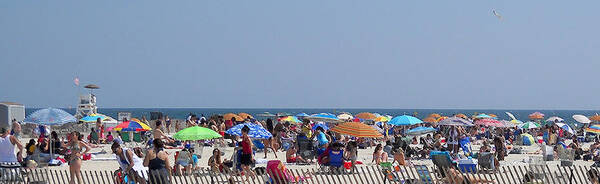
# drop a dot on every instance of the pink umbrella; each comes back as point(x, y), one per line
point(489, 122)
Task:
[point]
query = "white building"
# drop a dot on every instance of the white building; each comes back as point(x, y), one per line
point(10, 111)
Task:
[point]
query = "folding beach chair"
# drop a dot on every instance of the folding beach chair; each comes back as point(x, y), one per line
point(424, 174)
point(485, 161)
point(388, 172)
point(442, 161)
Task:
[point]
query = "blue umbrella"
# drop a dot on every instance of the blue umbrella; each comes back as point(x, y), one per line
point(302, 115)
point(256, 131)
point(323, 125)
point(50, 116)
point(404, 120)
point(92, 118)
point(323, 117)
point(420, 130)
point(481, 116)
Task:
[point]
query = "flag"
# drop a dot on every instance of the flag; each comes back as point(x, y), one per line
point(76, 81)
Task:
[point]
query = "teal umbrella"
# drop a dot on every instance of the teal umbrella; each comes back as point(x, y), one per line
point(405, 120)
point(196, 133)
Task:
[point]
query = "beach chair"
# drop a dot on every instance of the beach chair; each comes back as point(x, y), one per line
point(125, 137)
point(305, 148)
point(424, 174)
point(279, 174)
point(388, 173)
point(442, 161)
point(537, 164)
point(485, 161)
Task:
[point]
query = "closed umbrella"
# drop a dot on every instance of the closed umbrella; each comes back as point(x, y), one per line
point(357, 129)
point(405, 120)
point(454, 121)
point(195, 133)
point(420, 131)
point(256, 131)
point(50, 116)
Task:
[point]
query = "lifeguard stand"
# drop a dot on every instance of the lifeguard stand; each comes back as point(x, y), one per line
point(86, 105)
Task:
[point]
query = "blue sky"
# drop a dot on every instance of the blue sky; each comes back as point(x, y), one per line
point(340, 54)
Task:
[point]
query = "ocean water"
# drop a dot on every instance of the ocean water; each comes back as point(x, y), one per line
point(181, 113)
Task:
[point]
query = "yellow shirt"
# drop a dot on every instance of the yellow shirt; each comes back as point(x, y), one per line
point(307, 131)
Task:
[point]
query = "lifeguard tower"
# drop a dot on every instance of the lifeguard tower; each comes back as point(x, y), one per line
point(87, 103)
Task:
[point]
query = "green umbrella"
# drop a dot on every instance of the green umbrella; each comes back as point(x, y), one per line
point(196, 133)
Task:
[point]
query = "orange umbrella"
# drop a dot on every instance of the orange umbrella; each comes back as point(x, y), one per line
point(245, 115)
point(366, 116)
point(430, 119)
point(357, 129)
point(536, 115)
point(435, 115)
point(492, 115)
point(441, 118)
point(463, 116)
point(228, 116)
point(595, 117)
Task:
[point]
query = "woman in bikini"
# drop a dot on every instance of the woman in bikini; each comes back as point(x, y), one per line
point(75, 147)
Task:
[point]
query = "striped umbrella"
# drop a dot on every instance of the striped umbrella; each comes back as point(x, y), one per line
point(594, 129)
point(455, 121)
point(529, 125)
point(256, 131)
point(132, 126)
point(356, 129)
point(50, 116)
point(489, 122)
point(291, 119)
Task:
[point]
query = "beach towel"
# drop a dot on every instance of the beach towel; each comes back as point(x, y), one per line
point(465, 144)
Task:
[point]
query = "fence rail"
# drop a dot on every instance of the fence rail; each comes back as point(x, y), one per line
point(363, 175)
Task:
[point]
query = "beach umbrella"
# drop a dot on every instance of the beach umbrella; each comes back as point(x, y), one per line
point(489, 122)
point(483, 116)
point(517, 122)
point(595, 117)
point(366, 116)
point(325, 117)
point(554, 118)
point(566, 128)
point(345, 117)
point(357, 129)
point(593, 129)
point(405, 120)
point(320, 124)
point(381, 119)
point(581, 119)
point(529, 125)
point(302, 115)
point(435, 115)
point(92, 118)
point(291, 119)
point(50, 116)
point(195, 133)
point(441, 118)
point(508, 124)
point(256, 131)
point(245, 115)
point(463, 116)
point(420, 131)
point(536, 115)
point(527, 139)
point(493, 116)
point(511, 115)
point(454, 121)
point(132, 126)
point(430, 120)
point(230, 116)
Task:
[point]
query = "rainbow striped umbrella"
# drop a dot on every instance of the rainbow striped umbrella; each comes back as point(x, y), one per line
point(593, 129)
point(132, 126)
point(357, 129)
point(291, 119)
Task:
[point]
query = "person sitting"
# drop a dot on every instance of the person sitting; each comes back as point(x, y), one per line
point(399, 157)
point(216, 164)
point(159, 134)
point(30, 147)
point(184, 160)
point(335, 156)
point(292, 157)
point(109, 137)
point(351, 153)
point(379, 155)
point(93, 138)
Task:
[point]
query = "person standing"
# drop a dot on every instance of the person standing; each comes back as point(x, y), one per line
point(247, 156)
point(8, 143)
point(76, 146)
point(157, 161)
point(168, 124)
point(16, 129)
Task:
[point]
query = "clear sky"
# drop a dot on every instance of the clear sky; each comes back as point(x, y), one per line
point(334, 53)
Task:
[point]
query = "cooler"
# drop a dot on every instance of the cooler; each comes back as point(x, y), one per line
point(467, 165)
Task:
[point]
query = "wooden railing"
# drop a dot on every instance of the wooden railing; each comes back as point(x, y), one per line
point(363, 175)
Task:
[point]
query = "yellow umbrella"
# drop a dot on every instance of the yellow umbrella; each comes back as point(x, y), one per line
point(382, 119)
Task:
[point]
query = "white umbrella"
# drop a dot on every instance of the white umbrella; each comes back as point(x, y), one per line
point(555, 118)
point(345, 116)
point(581, 119)
point(565, 127)
point(511, 115)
